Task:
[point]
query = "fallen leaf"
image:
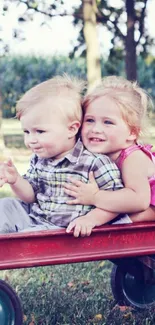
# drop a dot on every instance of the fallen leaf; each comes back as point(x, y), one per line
point(125, 308)
point(98, 317)
point(101, 264)
point(71, 284)
point(24, 318)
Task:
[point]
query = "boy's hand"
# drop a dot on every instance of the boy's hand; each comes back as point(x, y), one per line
point(81, 226)
point(8, 173)
point(83, 193)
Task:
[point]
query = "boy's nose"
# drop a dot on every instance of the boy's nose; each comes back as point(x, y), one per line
point(32, 139)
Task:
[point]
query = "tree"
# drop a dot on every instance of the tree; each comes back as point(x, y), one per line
point(113, 19)
point(124, 39)
point(85, 13)
point(91, 40)
point(130, 43)
point(87, 16)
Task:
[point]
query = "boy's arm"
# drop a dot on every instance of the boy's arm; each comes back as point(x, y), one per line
point(20, 186)
point(23, 190)
point(83, 225)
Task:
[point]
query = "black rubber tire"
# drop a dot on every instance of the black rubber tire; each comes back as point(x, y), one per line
point(10, 306)
point(130, 291)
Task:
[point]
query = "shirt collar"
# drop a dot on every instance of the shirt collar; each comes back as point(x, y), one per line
point(74, 155)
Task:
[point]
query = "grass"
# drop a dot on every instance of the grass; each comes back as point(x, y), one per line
point(73, 294)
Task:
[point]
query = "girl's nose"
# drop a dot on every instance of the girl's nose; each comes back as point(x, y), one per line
point(97, 128)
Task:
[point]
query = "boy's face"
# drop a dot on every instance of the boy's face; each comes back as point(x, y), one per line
point(104, 130)
point(46, 132)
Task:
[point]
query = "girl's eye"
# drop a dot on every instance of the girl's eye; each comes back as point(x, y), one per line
point(26, 131)
point(89, 120)
point(108, 122)
point(40, 131)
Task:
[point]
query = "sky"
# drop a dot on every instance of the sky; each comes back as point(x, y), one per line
point(58, 36)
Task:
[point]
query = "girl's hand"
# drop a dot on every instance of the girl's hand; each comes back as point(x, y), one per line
point(81, 226)
point(8, 173)
point(83, 193)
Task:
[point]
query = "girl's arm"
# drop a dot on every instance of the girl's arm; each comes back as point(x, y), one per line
point(147, 215)
point(134, 197)
point(83, 225)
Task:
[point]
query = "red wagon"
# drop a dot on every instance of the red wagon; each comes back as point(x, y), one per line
point(129, 247)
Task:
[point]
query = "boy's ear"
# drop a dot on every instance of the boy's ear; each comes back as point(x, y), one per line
point(73, 128)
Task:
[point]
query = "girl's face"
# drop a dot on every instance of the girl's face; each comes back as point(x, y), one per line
point(104, 130)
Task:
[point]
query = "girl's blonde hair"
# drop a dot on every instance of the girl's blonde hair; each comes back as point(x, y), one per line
point(66, 90)
point(132, 100)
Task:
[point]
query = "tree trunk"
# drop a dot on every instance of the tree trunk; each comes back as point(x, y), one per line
point(2, 144)
point(92, 43)
point(130, 44)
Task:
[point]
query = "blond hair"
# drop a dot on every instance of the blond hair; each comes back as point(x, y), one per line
point(132, 100)
point(66, 90)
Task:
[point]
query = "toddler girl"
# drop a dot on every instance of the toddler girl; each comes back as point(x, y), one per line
point(114, 116)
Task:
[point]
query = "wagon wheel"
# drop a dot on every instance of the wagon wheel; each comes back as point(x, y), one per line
point(133, 290)
point(10, 307)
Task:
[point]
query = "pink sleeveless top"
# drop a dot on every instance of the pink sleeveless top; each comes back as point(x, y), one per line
point(147, 150)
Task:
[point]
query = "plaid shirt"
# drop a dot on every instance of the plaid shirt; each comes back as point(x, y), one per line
point(48, 175)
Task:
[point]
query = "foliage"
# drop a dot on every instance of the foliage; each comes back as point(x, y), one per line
point(111, 17)
point(18, 74)
point(128, 31)
point(146, 69)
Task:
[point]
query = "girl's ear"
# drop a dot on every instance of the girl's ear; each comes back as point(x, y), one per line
point(73, 128)
point(134, 134)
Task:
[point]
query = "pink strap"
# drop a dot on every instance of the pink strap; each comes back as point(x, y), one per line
point(126, 152)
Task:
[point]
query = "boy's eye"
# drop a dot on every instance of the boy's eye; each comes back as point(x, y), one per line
point(40, 131)
point(108, 122)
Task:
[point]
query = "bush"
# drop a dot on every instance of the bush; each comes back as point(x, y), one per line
point(18, 74)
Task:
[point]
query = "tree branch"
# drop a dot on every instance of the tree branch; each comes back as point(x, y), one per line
point(106, 18)
point(49, 14)
point(141, 22)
